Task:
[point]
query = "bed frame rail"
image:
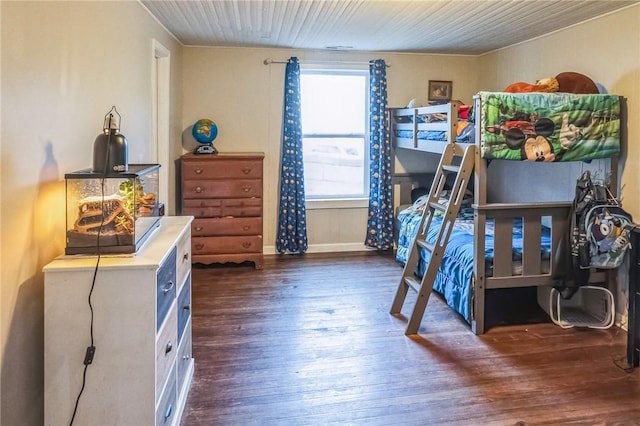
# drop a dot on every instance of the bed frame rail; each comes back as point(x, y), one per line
point(408, 119)
point(531, 270)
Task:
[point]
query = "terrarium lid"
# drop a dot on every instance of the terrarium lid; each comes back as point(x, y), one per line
point(135, 170)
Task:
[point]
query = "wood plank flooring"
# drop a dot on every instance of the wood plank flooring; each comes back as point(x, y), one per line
point(309, 340)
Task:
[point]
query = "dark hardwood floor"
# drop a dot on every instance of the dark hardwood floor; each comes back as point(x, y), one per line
point(309, 340)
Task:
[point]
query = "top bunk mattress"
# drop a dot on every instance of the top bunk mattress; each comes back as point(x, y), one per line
point(548, 126)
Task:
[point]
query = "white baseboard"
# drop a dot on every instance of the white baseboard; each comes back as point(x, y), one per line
point(325, 248)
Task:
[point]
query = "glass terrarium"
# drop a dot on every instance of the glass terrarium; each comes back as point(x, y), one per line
point(112, 213)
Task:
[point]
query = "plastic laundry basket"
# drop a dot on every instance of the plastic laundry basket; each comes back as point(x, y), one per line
point(590, 306)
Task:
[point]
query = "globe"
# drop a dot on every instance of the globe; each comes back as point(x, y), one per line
point(204, 131)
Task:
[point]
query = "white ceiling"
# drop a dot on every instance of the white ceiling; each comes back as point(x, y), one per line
point(429, 26)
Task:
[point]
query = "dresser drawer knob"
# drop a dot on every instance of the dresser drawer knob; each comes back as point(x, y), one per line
point(246, 188)
point(199, 228)
point(198, 171)
point(199, 246)
point(246, 244)
point(246, 228)
point(168, 347)
point(199, 189)
point(167, 288)
point(246, 170)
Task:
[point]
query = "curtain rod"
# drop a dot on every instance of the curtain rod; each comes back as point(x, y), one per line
point(270, 61)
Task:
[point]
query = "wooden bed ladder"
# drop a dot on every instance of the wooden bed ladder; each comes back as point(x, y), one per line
point(459, 160)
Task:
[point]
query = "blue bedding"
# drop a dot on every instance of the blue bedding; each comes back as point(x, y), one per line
point(429, 135)
point(455, 276)
point(467, 134)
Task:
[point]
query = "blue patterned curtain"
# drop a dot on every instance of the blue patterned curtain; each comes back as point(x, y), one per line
point(292, 217)
point(380, 221)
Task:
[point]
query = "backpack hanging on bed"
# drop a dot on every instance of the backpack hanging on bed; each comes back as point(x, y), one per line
point(598, 236)
point(599, 231)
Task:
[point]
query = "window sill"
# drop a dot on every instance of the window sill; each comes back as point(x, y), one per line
point(337, 203)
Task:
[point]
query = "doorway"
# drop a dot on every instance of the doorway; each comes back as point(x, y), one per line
point(160, 90)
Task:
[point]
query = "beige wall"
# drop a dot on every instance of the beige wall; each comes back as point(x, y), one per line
point(64, 64)
point(244, 97)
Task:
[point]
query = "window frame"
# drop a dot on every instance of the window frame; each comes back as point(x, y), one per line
point(336, 200)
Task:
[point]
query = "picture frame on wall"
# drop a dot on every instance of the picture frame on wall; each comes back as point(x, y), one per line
point(440, 90)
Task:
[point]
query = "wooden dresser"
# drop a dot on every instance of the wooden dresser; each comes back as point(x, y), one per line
point(142, 368)
point(224, 194)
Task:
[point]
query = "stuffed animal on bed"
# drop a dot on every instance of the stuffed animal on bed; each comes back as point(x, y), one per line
point(544, 85)
point(566, 82)
point(573, 82)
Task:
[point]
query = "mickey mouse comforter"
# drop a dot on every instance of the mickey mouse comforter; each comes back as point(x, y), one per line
point(549, 126)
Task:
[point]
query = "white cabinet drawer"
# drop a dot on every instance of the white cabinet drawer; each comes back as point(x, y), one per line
point(183, 258)
point(165, 287)
point(184, 307)
point(166, 347)
point(185, 357)
point(166, 409)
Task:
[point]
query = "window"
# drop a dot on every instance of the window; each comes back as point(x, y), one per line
point(334, 107)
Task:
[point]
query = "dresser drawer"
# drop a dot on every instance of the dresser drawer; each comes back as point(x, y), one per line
point(184, 358)
point(184, 307)
point(225, 245)
point(202, 211)
point(202, 203)
point(165, 287)
point(166, 348)
point(183, 258)
point(166, 410)
point(242, 207)
point(222, 188)
point(202, 207)
point(224, 226)
point(222, 170)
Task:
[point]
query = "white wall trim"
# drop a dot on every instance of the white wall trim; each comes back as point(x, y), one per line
point(337, 203)
point(325, 248)
point(160, 106)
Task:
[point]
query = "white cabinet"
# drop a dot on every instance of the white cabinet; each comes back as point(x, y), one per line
point(142, 368)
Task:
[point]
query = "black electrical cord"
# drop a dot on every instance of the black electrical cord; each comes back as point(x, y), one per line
point(88, 358)
point(91, 349)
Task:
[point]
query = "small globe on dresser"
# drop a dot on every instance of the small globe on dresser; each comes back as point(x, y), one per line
point(204, 131)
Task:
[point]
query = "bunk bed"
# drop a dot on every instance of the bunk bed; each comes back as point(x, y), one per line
point(505, 245)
